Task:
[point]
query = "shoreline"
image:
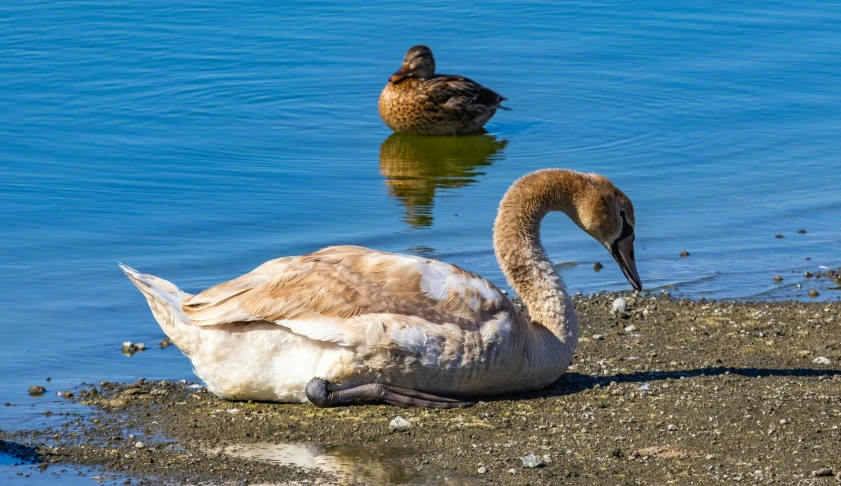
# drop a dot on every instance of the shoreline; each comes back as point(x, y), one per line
point(683, 391)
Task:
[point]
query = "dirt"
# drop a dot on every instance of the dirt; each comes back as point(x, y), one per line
point(676, 392)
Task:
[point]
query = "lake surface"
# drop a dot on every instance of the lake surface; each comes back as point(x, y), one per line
point(195, 141)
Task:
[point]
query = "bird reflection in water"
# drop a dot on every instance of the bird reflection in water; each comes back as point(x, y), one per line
point(415, 167)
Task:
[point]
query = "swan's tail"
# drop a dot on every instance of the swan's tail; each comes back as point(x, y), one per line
point(165, 299)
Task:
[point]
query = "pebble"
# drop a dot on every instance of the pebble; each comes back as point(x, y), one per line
point(630, 328)
point(778, 278)
point(620, 305)
point(532, 461)
point(598, 337)
point(37, 390)
point(813, 293)
point(512, 471)
point(822, 360)
point(399, 423)
point(165, 343)
point(482, 470)
point(138, 445)
point(672, 427)
point(597, 266)
point(779, 236)
point(644, 387)
point(684, 254)
point(801, 231)
point(129, 348)
point(820, 473)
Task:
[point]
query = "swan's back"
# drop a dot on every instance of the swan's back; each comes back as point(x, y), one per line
point(321, 294)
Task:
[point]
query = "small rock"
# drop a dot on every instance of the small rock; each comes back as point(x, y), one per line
point(532, 461)
point(778, 278)
point(779, 236)
point(684, 254)
point(822, 360)
point(138, 445)
point(671, 427)
point(813, 293)
point(597, 266)
point(644, 387)
point(482, 470)
point(37, 390)
point(598, 337)
point(646, 312)
point(620, 305)
point(820, 473)
point(140, 347)
point(630, 328)
point(165, 343)
point(399, 423)
point(801, 231)
point(49, 379)
point(512, 471)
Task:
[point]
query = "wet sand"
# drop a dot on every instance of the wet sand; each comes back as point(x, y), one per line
point(668, 392)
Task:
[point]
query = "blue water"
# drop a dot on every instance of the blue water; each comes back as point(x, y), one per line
point(195, 141)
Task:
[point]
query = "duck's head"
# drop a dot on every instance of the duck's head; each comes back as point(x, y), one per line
point(607, 214)
point(418, 63)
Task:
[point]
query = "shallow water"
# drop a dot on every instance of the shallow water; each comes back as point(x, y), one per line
point(348, 464)
point(196, 141)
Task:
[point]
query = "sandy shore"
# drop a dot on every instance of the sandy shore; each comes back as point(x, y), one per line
point(668, 392)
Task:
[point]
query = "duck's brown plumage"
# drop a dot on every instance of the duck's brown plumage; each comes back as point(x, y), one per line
point(416, 100)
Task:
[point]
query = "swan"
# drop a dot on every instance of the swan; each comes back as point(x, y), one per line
point(351, 325)
point(416, 100)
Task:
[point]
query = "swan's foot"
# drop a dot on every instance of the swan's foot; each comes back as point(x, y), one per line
point(375, 393)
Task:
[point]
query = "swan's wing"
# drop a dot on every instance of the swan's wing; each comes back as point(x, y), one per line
point(319, 294)
point(460, 93)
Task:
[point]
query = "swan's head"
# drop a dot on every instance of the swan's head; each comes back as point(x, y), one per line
point(418, 63)
point(606, 214)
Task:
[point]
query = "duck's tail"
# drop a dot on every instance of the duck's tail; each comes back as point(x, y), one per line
point(165, 299)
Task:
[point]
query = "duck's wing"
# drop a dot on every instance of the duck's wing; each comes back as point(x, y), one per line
point(340, 294)
point(459, 93)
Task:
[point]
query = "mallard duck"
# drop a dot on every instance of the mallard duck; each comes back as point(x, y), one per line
point(351, 325)
point(416, 100)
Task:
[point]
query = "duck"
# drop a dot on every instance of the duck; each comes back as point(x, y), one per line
point(416, 100)
point(348, 325)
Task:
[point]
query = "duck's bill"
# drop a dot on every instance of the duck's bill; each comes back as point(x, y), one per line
point(623, 252)
point(400, 75)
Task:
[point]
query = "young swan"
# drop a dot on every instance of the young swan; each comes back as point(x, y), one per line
point(349, 325)
point(416, 100)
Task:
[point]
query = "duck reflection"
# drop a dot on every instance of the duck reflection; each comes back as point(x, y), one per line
point(416, 166)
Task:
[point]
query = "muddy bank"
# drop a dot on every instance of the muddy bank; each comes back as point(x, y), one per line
point(666, 391)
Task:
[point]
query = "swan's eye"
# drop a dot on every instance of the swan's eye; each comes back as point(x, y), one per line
point(622, 213)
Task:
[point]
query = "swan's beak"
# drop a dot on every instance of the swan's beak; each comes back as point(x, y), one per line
point(400, 75)
point(623, 252)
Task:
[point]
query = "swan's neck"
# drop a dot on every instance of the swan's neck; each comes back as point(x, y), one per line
point(521, 255)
